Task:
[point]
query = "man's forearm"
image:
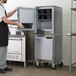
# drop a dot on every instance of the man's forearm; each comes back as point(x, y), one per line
point(9, 21)
point(12, 12)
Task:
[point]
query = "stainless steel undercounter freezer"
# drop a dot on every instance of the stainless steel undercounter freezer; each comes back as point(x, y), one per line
point(46, 21)
point(48, 38)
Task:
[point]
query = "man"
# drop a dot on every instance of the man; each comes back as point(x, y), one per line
point(4, 35)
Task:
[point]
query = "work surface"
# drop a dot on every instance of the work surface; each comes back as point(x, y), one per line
point(19, 70)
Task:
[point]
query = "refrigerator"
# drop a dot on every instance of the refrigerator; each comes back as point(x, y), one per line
point(46, 24)
point(48, 37)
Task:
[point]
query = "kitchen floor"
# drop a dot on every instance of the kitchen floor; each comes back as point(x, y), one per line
point(19, 70)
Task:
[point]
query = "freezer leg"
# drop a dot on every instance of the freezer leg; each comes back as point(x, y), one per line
point(24, 64)
point(53, 66)
point(45, 63)
point(60, 64)
point(37, 64)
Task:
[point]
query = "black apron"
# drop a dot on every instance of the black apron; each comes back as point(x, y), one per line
point(3, 33)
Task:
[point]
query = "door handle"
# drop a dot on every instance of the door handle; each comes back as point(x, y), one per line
point(15, 39)
point(49, 37)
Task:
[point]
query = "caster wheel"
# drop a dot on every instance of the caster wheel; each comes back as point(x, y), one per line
point(53, 66)
point(45, 63)
point(37, 64)
point(60, 64)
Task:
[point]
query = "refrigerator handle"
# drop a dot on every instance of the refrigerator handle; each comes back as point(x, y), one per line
point(49, 37)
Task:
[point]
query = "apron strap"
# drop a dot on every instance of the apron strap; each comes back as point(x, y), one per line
point(4, 10)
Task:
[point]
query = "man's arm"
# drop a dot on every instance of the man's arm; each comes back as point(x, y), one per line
point(11, 13)
point(11, 22)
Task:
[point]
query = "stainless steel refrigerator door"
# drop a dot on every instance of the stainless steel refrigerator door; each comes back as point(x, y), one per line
point(43, 48)
point(26, 15)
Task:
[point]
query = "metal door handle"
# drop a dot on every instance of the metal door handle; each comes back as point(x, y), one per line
point(49, 37)
point(15, 39)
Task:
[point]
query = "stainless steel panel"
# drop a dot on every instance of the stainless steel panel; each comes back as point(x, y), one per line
point(26, 15)
point(43, 48)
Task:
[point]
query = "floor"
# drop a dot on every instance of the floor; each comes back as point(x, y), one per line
point(32, 70)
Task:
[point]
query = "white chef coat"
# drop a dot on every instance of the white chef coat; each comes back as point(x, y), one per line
point(2, 12)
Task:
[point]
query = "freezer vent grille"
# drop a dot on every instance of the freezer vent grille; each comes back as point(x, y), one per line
point(13, 57)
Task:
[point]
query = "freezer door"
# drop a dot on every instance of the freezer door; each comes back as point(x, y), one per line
point(43, 48)
point(14, 46)
point(26, 15)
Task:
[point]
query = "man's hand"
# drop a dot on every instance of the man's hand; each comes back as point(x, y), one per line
point(20, 25)
point(16, 9)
